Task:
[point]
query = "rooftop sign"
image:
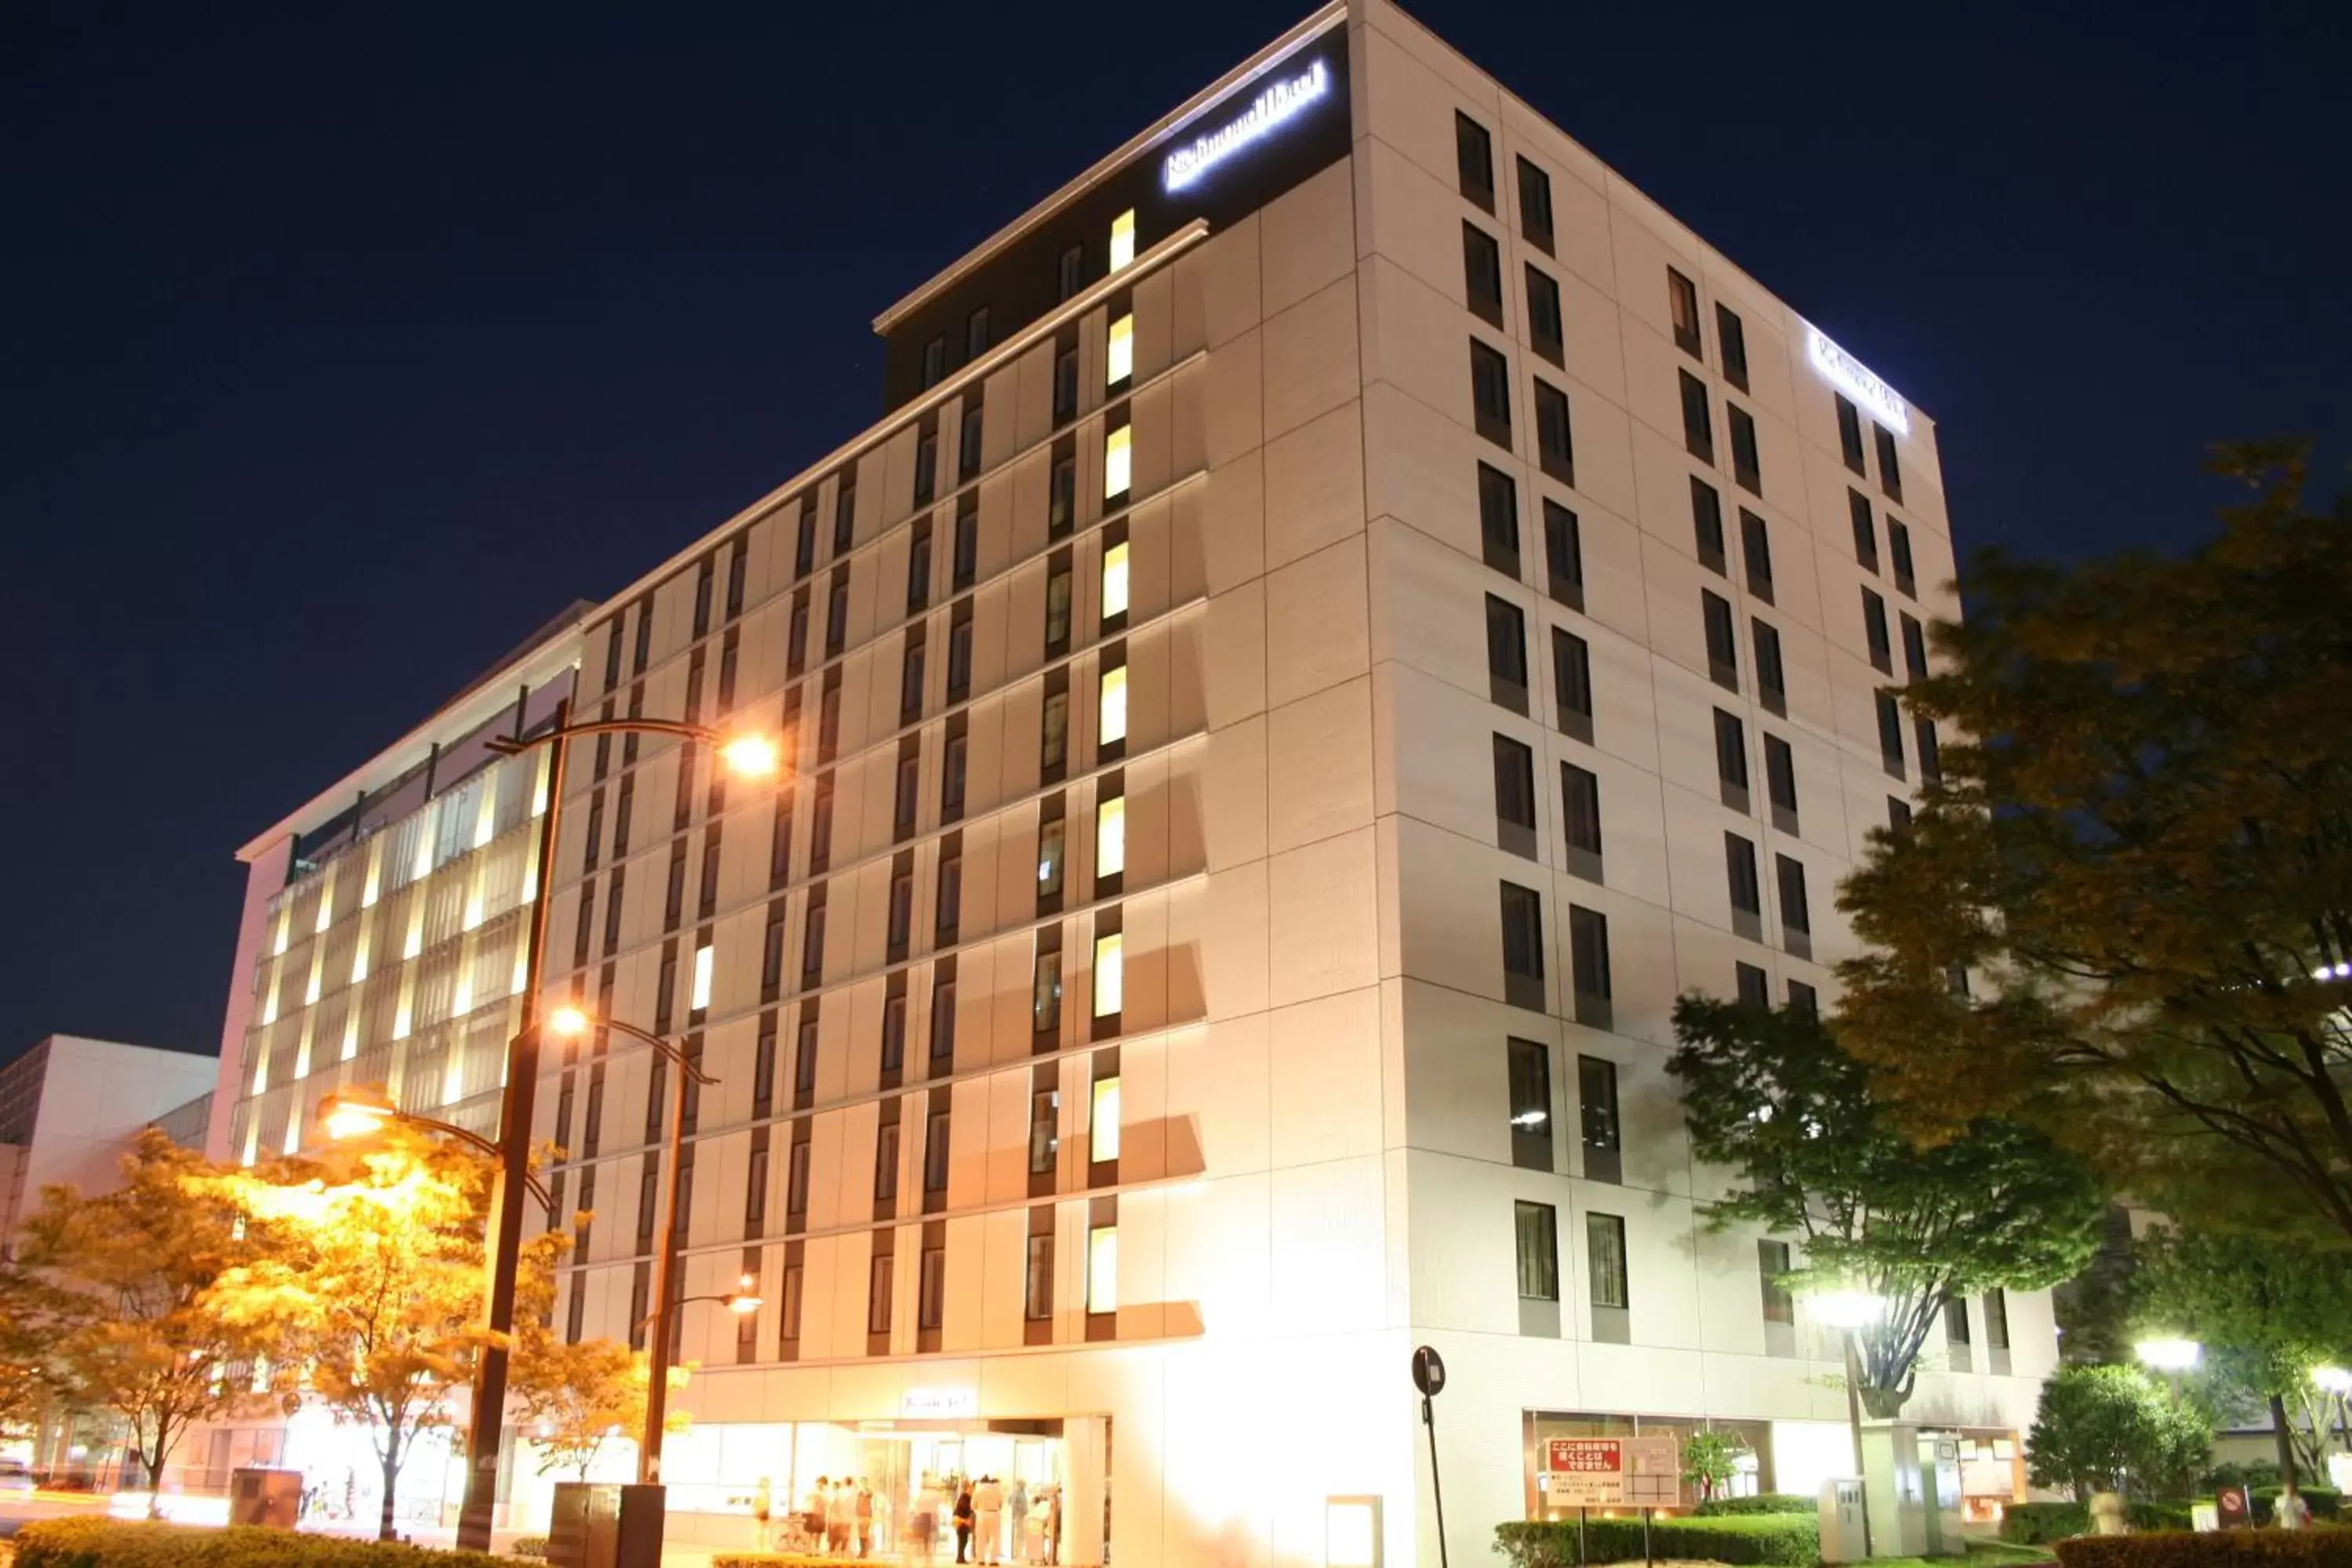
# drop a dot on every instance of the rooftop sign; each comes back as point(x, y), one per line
point(1279, 103)
point(1854, 378)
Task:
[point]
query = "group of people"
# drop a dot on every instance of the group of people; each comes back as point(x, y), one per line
point(991, 1522)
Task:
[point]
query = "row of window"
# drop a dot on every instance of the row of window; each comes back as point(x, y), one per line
point(1070, 275)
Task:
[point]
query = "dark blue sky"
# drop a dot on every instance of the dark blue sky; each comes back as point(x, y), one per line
point(340, 345)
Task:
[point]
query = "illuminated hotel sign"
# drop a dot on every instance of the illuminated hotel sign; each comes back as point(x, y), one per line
point(1279, 103)
point(1854, 378)
point(939, 1404)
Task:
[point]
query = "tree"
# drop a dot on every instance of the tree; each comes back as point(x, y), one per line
point(576, 1397)
point(2267, 1312)
point(1709, 1461)
point(118, 1291)
point(1771, 1095)
point(385, 1288)
point(2111, 1429)
point(2142, 840)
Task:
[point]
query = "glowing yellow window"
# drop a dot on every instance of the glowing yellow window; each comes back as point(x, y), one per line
point(701, 979)
point(1110, 980)
point(1118, 461)
point(1102, 1141)
point(1122, 239)
point(1110, 836)
point(1113, 708)
point(1114, 592)
point(1121, 364)
point(1102, 1268)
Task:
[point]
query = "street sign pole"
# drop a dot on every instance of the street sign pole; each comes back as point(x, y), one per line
point(1429, 1376)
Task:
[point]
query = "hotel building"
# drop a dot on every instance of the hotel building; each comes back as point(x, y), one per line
point(1350, 610)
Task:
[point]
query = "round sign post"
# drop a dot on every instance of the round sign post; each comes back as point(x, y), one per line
point(1429, 1376)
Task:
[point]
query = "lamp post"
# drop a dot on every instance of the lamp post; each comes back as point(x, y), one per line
point(486, 1422)
point(1851, 1311)
point(364, 1113)
point(2170, 1356)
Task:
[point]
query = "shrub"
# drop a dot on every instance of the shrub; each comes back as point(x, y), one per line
point(123, 1543)
point(2212, 1549)
point(2039, 1523)
point(1764, 1502)
point(528, 1546)
point(1775, 1539)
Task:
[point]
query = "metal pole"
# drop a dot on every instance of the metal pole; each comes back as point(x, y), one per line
point(649, 1443)
point(1853, 1418)
point(486, 1423)
point(1437, 1490)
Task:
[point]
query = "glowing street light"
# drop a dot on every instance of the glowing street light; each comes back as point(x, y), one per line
point(568, 1021)
point(1847, 1310)
point(2332, 1379)
point(751, 757)
point(356, 1113)
point(746, 1300)
point(2169, 1354)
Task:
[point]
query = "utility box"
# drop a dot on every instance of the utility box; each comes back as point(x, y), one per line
point(1898, 1500)
point(271, 1498)
point(583, 1527)
point(1940, 1475)
point(1843, 1537)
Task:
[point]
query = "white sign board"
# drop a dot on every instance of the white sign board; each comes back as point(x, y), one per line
point(1614, 1472)
point(1854, 378)
point(939, 1404)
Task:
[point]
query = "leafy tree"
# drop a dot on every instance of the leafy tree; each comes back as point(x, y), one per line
point(1709, 1461)
point(576, 1397)
point(385, 1288)
point(2142, 838)
point(2267, 1311)
point(1771, 1095)
point(2111, 1429)
point(112, 1303)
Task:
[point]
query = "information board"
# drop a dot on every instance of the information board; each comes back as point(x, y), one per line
point(1614, 1472)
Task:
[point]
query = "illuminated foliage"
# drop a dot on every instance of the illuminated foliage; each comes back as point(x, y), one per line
point(575, 1398)
point(2111, 1429)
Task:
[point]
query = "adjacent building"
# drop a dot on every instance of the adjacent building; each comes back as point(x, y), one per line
point(71, 1106)
point(1349, 609)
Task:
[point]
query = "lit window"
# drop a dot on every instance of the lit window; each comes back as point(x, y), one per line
point(1118, 461)
point(1114, 587)
point(1103, 1134)
point(1110, 836)
point(285, 922)
point(701, 979)
point(1121, 363)
point(1122, 240)
point(1102, 1268)
point(1113, 710)
point(1111, 977)
point(310, 991)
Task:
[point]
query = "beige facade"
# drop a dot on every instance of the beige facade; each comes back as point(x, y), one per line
point(1121, 1109)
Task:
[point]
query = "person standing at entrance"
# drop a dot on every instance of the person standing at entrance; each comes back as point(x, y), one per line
point(927, 1517)
point(841, 1517)
point(813, 1510)
point(963, 1524)
point(1016, 1508)
point(988, 1517)
point(763, 1502)
point(1052, 1530)
point(864, 1515)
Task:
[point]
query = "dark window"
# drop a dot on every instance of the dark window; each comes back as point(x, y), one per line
point(1571, 669)
point(1898, 816)
point(1037, 1281)
point(1682, 299)
point(1546, 329)
point(1699, 421)
point(1564, 553)
point(1804, 999)
point(1515, 795)
point(1535, 205)
point(1604, 1254)
point(1054, 746)
point(1529, 1068)
point(1482, 273)
point(1070, 272)
point(1507, 654)
point(1866, 534)
point(935, 1152)
point(1707, 527)
point(1890, 733)
point(796, 637)
point(1747, 467)
point(772, 957)
point(1898, 545)
point(935, 361)
point(959, 652)
point(969, 444)
point(1058, 580)
point(820, 826)
point(1914, 648)
point(1051, 839)
point(1780, 778)
point(828, 723)
point(1555, 441)
point(1536, 1228)
point(1473, 154)
point(1849, 435)
point(1066, 384)
point(919, 568)
point(1771, 677)
point(1588, 945)
point(788, 1313)
point(879, 1283)
point(844, 517)
point(886, 1162)
point(1731, 756)
point(1596, 1098)
point(1499, 520)
point(1955, 1320)
point(1772, 1271)
point(1739, 866)
point(1061, 496)
point(949, 915)
point(1752, 986)
point(804, 548)
point(894, 1032)
point(975, 335)
point(1890, 473)
point(910, 682)
point(1044, 1129)
point(702, 580)
point(1579, 792)
point(613, 911)
point(966, 564)
point(1522, 934)
point(1756, 544)
point(836, 614)
point(1045, 991)
point(796, 1180)
point(812, 947)
point(1732, 338)
point(953, 759)
point(1873, 625)
point(902, 912)
point(931, 1292)
point(1722, 647)
point(1931, 760)
point(1490, 393)
point(1795, 912)
point(943, 1017)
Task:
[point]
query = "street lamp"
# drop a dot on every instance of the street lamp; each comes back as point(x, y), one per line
point(1851, 1311)
point(364, 1113)
point(750, 755)
point(2170, 1355)
point(2333, 1380)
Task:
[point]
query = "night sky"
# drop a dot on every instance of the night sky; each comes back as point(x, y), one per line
point(342, 345)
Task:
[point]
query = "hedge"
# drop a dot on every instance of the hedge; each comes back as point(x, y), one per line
point(785, 1559)
point(1763, 1502)
point(125, 1543)
point(2322, 1548)
point(1778, 1539)
point(2041, 1524)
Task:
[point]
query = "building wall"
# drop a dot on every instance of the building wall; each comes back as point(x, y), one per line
point(91, 1097)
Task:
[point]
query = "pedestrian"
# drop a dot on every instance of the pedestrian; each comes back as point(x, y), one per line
point(1016, 1510)
point(988, 1517)
point(927, 1517)
point(813, 1510)
point(2290, 1511)
point(963, 1524)
point(763, 1502)
point(840, 1517)
point(864, 1514)
point(882, 1536)
point(1052, 1530)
